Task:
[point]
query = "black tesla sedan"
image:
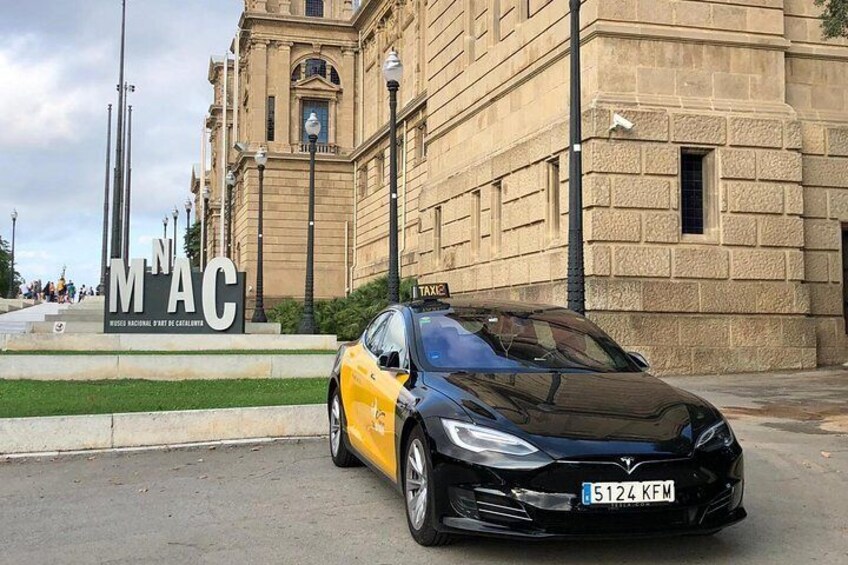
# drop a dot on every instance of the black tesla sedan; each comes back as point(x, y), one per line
point(507, 419)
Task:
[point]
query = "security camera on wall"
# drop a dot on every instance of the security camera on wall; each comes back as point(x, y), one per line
point(620, 122)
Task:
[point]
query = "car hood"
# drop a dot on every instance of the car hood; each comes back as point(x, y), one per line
point(583, 415)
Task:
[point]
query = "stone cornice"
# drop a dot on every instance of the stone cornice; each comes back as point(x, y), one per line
point(411, 107)
point(818, 51)
point(684, 35)
point(312, 22)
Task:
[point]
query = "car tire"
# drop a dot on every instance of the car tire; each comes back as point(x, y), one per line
point(417, 475)
point(341, 455)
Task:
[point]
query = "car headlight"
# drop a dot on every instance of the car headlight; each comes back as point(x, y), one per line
point(715, 437)
point(478, 439)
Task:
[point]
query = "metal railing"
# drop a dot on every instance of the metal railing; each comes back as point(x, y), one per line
point(320, 148)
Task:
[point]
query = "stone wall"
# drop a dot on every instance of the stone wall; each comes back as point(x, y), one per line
point(704, 76)
point(483, 163)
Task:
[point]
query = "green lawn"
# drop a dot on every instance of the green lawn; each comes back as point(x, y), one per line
point(24, 398)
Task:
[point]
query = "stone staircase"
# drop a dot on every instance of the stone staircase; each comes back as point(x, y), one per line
point(23, 314)
point(82, 317)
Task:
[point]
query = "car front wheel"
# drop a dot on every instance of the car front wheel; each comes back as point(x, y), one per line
point(342, 457)
point(418, 492)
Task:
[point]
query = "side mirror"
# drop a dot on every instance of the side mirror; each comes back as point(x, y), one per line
point(390, 360)
point(639, 360)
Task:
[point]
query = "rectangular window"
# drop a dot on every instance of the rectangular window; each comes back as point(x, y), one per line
point(496, 213)
point(437, 234)
point(322, 110)
point(475, 222)
point(420, 147)
point(315, 8)
point(697, 195)
point(362, 189)
point(553, 199)
point(270, 121)
point(379, 170)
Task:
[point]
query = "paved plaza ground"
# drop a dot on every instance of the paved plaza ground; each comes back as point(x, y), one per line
point(284, 502)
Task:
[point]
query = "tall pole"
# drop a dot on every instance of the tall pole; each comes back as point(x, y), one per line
point(236, 73)
point(229, 221)
point(118, 186)
point(224, 160)
point(127, 193)
point(12, 293)
point(202, 191)
point(576, 282)
point(204, 230)
point(394, 275)
point(104, 251)
point(176, 221)
point(307, 324)
point(259, 310)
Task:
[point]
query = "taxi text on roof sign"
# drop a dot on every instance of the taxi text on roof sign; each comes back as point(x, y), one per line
point(430, 291)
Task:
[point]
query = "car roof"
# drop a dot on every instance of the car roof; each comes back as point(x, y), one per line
point(420, 306)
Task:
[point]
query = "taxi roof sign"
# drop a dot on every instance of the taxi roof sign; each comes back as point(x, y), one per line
point(432, 291)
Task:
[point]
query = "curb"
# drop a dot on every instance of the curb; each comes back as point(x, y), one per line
point(171, 367)
point(54, 434)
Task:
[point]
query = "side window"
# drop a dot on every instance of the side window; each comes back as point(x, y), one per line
point(394, 339)
point(374, 333)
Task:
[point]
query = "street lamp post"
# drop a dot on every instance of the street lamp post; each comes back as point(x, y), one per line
point(118, 185)
point(206, 194)
point(307, 324)
point(231, 182)
point(125, 226)
point(576, 280)
point(176, 215)
point(165, 227)
point(261, 158)
point(104, 250)
point(12, 293)
point(393, 72)
point(188, 223)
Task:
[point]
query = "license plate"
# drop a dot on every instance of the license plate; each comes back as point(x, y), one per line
point(631, 492)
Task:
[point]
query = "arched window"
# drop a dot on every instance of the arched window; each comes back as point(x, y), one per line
point(315, 8)
point(316, 67)
point(313, 67)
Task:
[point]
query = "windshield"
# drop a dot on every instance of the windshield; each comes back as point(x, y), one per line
point(481, 340)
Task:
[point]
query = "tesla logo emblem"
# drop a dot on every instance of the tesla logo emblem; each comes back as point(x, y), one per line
point(628, 464)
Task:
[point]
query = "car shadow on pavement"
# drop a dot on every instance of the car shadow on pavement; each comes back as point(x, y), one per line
point(653, 550)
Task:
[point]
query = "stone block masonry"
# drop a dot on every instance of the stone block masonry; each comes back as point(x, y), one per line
point(725, 202)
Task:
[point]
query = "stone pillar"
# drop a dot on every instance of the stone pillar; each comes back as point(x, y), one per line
point(258, 72)
point(346, 108)
point(282, 86)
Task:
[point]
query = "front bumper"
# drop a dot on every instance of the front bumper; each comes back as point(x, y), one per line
point(546, 503)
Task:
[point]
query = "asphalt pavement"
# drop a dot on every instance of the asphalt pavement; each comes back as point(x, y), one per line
point(285, 502)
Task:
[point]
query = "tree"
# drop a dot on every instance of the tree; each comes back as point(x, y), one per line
point(834, 18)
point(5, 261)
point(192, 244)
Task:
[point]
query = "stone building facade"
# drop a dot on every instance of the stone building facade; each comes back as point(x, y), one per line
point(714, 228)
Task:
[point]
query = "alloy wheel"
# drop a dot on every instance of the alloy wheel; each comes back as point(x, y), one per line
point(416, 484)
point(335, 426)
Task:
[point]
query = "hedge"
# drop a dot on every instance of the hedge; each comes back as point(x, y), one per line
point(344, 317)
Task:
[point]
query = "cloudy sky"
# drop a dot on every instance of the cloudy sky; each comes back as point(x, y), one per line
point(58, 71)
